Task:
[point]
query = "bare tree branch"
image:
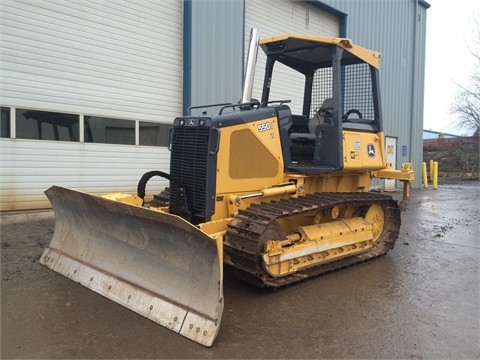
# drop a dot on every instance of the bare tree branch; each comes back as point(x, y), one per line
point(467, 100)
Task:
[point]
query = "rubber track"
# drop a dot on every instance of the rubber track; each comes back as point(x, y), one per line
point(241, 243)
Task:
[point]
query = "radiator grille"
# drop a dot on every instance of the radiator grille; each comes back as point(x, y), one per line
point(188, 168)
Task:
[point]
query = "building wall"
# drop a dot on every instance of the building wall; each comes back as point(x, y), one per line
point(147, 62)
point(100, 58)
point(217, 49)
point(213, 52)
point(429, 134)
point(28, 169)
point(296, 17)
point(397, 29)
point(101, 63)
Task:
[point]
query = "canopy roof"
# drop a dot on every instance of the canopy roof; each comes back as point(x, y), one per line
point(303, 52)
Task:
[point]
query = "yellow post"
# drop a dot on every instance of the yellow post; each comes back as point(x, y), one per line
point(435, 175)
point(430, 168)
point(424, 174)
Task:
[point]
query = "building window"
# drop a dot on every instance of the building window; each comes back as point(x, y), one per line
point(46, 125)
point(154, 134)
point(109, 131)
point(5, 123)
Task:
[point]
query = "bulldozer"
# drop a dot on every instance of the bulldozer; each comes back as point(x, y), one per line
point(277, 190)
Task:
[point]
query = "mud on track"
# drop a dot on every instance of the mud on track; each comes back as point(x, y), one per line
point(421, 300)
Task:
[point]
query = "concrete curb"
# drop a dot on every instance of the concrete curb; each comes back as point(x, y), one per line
point(25, 216)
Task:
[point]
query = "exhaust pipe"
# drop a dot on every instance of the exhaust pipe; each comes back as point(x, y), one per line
point(250, 66)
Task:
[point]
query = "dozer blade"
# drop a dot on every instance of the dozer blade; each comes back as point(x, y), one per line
point(153, 263)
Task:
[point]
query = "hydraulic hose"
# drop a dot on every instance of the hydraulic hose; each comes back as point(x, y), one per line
point(142, 184)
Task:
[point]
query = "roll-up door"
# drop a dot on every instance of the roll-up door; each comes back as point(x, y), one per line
point(114, 59)
point(113, 69)
point(276, 17)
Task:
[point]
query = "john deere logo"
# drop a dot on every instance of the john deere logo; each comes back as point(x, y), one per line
point(371, 150)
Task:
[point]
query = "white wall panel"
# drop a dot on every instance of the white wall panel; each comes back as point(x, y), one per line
point(397, 30)
point(117, 59)
point(31, 166)
point(99, 57)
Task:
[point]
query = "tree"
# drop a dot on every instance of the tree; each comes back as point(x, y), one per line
point(467, 102)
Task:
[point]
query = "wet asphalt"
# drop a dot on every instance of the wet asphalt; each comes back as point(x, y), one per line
point(420, 301)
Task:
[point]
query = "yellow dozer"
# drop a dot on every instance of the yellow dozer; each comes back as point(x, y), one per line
point(276, 189)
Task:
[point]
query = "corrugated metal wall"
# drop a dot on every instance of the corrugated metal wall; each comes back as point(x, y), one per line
point(297, 17)
point(112, 59)
point(219, 42)
point(124, 59)
point(28, 169)
point(115, 59)
point(397, 29)
point(276, 17)
point(216, 53)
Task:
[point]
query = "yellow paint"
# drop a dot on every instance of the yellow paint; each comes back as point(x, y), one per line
point(316, 244)
point(249, 159)
point(124, 198)
point(359, 143)
point(424, 174)
point(318, 238)
point(369, 56)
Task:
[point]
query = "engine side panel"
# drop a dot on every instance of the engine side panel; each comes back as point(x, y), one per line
point(251, 157)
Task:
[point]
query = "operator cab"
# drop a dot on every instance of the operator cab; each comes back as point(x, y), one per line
point(332, 85)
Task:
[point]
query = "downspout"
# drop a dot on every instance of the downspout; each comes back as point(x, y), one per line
point(187, 55)
point(343, 26)
point(414, 87)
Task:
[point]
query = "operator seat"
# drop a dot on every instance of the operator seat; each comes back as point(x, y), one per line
point(322, 116)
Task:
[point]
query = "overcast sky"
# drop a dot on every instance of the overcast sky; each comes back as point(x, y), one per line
point(450, 25)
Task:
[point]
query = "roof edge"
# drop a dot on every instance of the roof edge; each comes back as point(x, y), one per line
point(425, 4)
